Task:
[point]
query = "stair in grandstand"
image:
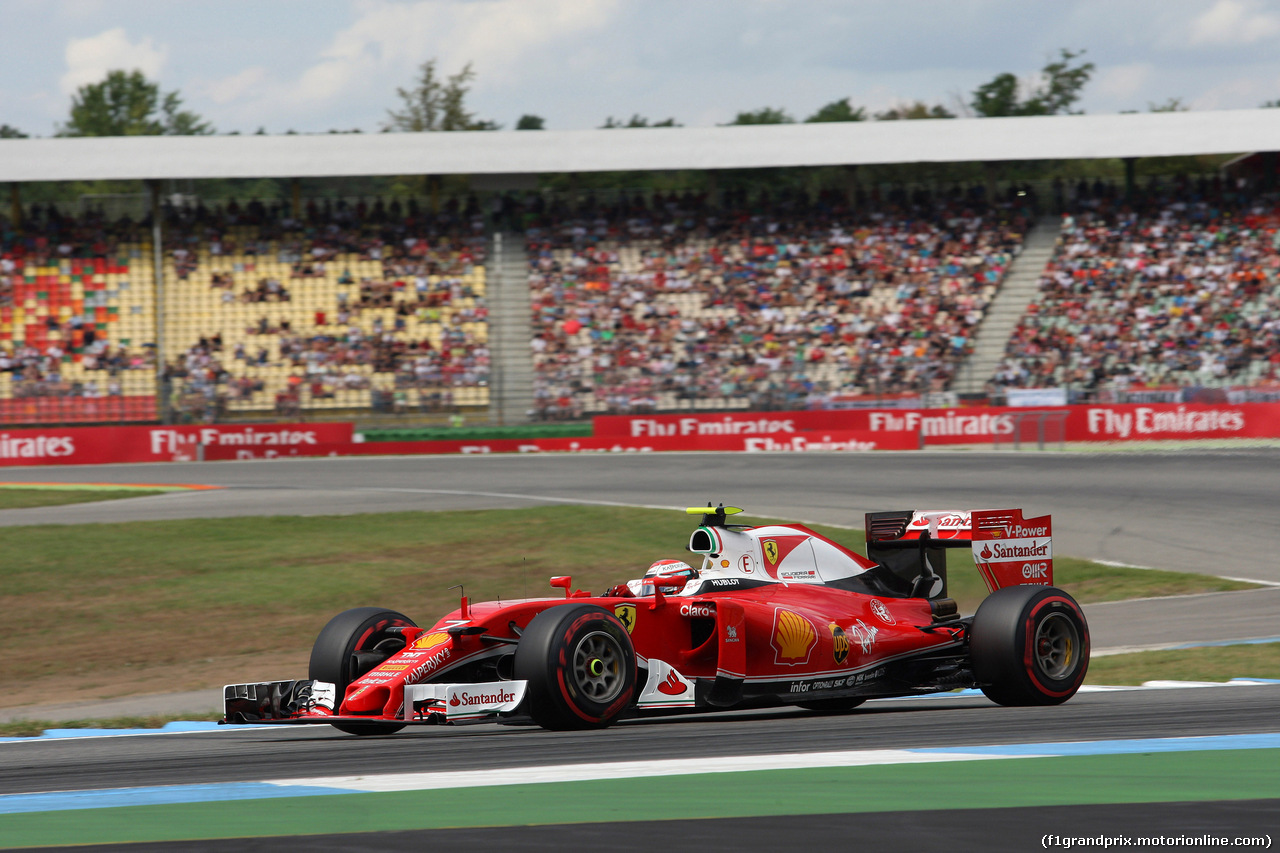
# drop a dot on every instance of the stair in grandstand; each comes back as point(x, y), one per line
point(511, 383)
point(1021, 288)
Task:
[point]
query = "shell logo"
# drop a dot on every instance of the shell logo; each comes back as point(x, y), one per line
point(430, 641)
point(793, 638)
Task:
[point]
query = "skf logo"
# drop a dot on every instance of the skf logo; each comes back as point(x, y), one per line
point(430, 641)
point(793, 638)
point(770, 552)
point(839, 643)
point(626, 614)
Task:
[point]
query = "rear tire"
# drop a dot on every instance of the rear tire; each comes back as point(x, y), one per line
point(580, 667)
point(334, 658)
point(1029, 646)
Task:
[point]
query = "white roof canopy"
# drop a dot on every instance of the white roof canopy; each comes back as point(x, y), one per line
point(736, 147)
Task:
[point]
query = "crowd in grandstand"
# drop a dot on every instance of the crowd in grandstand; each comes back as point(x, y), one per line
point(651, 302)
point(63, 330)
point(780, 303)
point(420, 267)
point(1177, 286)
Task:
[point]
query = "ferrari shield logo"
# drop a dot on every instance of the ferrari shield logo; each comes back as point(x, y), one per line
point(770, 551)
point(626, 614)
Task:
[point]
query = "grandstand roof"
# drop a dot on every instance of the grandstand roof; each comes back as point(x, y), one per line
point(736, 147)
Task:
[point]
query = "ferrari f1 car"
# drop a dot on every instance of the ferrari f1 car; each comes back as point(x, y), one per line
point(776, 614)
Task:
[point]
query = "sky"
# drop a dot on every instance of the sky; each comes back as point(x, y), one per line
point(318, 65)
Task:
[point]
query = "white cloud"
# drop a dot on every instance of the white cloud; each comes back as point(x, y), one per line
point(1123, 82)
point(1234, 22)
point(235, 87)
point(496, 35)
point(89, 59)
point(1248, 90)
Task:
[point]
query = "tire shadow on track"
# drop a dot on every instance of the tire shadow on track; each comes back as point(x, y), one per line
point(1197, 824)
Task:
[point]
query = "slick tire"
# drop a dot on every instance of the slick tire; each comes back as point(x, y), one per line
point(1029, 646)
point(580, 667)
point(334, 658)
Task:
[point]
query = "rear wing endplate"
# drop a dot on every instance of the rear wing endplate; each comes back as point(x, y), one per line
point(1007, 548)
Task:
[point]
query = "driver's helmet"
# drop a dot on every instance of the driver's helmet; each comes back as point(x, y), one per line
point(675, 570)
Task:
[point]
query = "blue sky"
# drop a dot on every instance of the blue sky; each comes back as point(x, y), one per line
point(325, 64)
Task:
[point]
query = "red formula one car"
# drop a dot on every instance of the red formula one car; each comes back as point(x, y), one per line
point(775, 615)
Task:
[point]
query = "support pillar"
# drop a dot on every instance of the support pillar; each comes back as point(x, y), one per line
point(157, 259)
point(1130, 177)
point(15, 205)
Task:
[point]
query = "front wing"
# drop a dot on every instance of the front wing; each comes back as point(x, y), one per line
point(307, 701)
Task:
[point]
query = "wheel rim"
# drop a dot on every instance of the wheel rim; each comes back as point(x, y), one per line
point(1056, 645)
point(598, 667)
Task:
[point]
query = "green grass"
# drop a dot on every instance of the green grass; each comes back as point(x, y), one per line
point(146, 594)
point(33, 728)
point(12, 497)
point(1212, 663)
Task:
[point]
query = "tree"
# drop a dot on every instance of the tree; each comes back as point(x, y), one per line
point(764, 115)
point(638, 120)
point(126, 103)
point(434, 105)
point(7, 132)
point(917, 110)
point(840, 110)
point(1270, 105)
point(1056, 90)
point(531, 122)
point(1173, 105)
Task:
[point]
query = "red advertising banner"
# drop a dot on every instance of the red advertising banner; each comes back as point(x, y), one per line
point(772, 443)
point(100, 445)
point(1118, 422)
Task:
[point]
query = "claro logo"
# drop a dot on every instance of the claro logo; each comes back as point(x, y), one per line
point(39, 447)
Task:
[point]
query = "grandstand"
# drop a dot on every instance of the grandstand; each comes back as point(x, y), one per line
point(654, 304)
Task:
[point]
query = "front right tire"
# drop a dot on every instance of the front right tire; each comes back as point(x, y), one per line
point(351, 644)
point(580, 667)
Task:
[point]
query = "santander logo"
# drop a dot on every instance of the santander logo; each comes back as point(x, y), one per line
point(502, 697)
point(673, 686)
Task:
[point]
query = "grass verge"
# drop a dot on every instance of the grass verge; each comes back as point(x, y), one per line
point(33, 728)
point(1212, 663)
point(16, 497)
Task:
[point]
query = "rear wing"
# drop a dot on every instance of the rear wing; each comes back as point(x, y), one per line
point(1007, 549)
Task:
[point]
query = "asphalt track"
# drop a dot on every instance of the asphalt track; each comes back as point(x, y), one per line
point(243, 754)
point(1209, 512)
